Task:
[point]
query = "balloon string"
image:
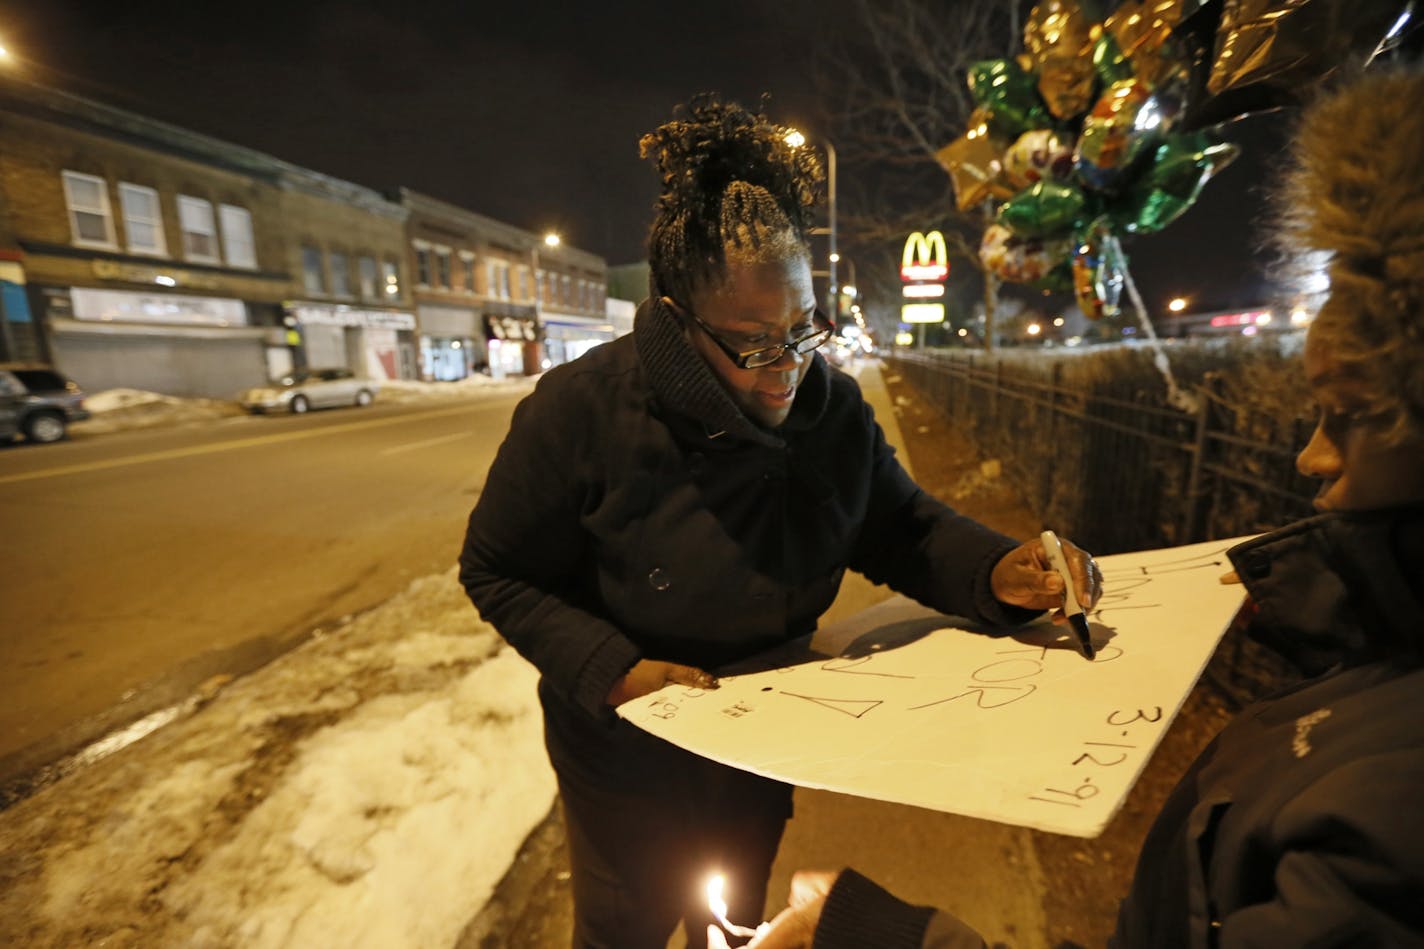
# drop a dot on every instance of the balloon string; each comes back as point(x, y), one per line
point(1176, 395)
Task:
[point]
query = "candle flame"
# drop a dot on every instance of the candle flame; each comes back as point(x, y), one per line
point(718, 906)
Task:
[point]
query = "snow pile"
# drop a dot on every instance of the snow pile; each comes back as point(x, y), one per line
point(406, 390)
point(116, 410)
point(369, 788)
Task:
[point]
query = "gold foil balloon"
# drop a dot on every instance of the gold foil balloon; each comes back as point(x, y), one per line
point(1038, 155)
point(974, 163)
point(1058, 38)
point(1143, 31)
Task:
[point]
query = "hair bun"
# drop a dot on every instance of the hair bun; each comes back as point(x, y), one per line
point(711, 144)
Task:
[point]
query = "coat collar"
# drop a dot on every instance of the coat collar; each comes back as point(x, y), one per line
point(682, 382)
point(1339, 588)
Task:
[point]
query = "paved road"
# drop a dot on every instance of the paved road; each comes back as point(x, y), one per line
point(136, 565)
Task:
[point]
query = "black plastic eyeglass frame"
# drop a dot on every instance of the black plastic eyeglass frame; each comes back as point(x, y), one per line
point(769, 355)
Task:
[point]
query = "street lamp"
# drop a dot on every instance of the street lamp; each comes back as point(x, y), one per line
point(1177, 305)
point(795, 139)
point(551, 239)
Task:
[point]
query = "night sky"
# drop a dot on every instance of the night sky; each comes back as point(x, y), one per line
point(529, 113)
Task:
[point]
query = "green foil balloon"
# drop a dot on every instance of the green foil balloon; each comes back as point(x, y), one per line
point(1008, 95)
point(1109, 62)
point(1180, 168)
point(1044, 207)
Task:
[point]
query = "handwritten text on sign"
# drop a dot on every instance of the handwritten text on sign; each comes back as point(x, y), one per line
point(903, 704)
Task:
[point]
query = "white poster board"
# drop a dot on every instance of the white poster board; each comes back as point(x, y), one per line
point(903, 704)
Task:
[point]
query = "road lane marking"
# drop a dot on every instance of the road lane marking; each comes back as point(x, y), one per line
point(271, 439)
point(425, 444)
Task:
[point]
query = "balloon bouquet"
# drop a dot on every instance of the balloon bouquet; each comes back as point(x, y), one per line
point(1105, 128)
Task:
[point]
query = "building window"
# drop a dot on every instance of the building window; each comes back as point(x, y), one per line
point(422, 265)
point(523, 283)
point(312, 279)
point(90, 219)
point(200, 236)
point(391, 276)
point(565, 293)
point(538, 286)
point(442, 267)
point(238, 245)
point(143, 219)
point(467, 270)
point(366, 273)
point(340, 267)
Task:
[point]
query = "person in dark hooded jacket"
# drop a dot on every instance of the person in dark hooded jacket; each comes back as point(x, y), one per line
point(690, 495)
point(1301, 824)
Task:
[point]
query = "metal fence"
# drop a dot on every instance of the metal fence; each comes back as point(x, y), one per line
point(1106, 462)
point(1103, 460)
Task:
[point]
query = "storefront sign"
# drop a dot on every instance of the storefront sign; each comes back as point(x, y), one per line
point(316, 313)
point(924, 258)
point(511, 328)
point(129, 307)
point(922, 313)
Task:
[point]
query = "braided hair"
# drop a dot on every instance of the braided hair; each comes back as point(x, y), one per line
point(1356, 194)
point(732, 188)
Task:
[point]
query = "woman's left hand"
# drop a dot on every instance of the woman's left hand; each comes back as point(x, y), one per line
point(1024, 577)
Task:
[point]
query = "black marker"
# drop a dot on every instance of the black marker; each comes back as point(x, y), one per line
point(1071, 609)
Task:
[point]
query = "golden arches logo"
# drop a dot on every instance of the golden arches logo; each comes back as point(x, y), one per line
point(925, 257)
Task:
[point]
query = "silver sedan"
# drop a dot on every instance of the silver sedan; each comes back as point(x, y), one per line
point(310, 389)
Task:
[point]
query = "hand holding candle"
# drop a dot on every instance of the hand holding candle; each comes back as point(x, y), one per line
point(718, 906)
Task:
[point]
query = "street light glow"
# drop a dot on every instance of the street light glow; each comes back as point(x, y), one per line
point(551, 239)
point(1177, 305)
point(794, 138)
point(1034, 329)
point(1058, 321)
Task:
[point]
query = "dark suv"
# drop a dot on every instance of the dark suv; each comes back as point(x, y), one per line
point(38, 402)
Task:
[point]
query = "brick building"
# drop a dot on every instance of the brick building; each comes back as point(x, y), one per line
point(137, 254)
point(472, 279)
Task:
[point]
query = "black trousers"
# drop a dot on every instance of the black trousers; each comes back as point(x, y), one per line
point(645, 836)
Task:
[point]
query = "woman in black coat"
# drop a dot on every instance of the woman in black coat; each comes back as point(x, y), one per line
point(690, 495)
point(1301, 825)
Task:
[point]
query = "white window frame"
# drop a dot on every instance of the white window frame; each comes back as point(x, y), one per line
point(467, 271)
point(422, 253)
point(187, 207)
point(310, 253)
point(128, 194)
point(103, 210)
point(390, 279)
point(338, 268)
point(235, 223)
point(367, 277)
point(444, 274)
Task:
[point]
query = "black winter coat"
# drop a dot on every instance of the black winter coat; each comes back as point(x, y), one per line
point(633, 511)
point(1303, 822)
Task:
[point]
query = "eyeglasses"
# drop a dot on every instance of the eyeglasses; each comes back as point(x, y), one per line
point(821, 332)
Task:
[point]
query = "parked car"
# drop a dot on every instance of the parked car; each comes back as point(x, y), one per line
point(310, 389)
point(38, 402)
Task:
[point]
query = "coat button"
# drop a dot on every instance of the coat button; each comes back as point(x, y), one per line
point(659, 580)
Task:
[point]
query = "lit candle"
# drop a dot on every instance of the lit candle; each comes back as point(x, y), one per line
point(715, 883)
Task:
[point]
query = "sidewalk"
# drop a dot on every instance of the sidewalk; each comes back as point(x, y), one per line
point(378, 787)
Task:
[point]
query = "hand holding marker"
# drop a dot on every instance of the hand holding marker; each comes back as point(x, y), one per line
point(1071, 608)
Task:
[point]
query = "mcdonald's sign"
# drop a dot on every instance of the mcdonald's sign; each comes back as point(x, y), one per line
point(925, 258)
